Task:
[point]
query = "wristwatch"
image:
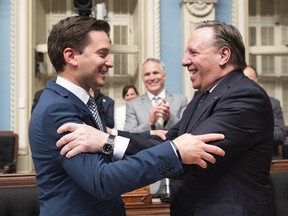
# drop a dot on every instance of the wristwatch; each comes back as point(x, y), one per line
point(108, 147)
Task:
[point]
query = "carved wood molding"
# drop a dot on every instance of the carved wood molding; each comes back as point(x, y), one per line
point(12, 65)
point(199, 8)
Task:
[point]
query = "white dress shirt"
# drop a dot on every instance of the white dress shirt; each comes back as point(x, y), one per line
point(120, 143)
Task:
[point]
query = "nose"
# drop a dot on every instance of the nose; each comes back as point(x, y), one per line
point(186, 61)
point(128, 98)
point(109, 61)
point(151, 76)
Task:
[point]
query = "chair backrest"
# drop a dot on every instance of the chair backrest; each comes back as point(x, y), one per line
point(8, 151)
point(279, 180)
point(19, 194)
point(280, 192)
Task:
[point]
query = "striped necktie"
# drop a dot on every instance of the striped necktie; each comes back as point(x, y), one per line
point(160, 121)
point(94, 110)
point(156, 100)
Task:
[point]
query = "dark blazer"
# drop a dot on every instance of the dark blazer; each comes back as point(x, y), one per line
point(36, 98)
point(238, 184)
point(87, 184)
point(279, 125)
point(106, 107)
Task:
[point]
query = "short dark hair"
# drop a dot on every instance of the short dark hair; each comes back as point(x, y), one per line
point(72, 32)
point(228, 36)
point(126, 89)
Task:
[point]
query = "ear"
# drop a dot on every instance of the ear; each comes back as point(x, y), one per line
point(69, 56)
point(225, 54)
point(164, 75)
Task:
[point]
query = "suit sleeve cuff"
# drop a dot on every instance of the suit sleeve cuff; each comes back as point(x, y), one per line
point(120, 146)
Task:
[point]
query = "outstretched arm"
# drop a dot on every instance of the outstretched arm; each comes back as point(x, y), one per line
point(84, 138)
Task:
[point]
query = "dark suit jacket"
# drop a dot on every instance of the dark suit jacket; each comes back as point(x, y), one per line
point(238, 184)
point(87, 184)
point(106, 107)
point(279, 125)
point(36, 98)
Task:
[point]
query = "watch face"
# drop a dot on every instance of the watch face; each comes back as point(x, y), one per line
point(107, 148)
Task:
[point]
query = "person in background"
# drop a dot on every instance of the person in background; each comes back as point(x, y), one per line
point(105, 105)
point(279, 124)
point(157, 108)
point(229, 103)
point(129, 92)
point(36, 98)
point(92, 184)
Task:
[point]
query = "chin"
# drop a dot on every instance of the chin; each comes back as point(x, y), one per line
point(101, 83)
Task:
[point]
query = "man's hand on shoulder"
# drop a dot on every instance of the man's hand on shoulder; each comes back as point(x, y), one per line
point(82, 138)
point(194, 150)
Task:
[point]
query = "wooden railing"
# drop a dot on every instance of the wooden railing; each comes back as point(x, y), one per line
point(279, 166)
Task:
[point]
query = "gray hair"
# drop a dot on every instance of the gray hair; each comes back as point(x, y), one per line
point(155, 60)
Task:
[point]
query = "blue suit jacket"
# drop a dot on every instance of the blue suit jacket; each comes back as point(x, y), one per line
point(87, 184)
point(238, 184)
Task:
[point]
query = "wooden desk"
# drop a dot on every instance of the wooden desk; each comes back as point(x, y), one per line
point(140, 203)
point(145, 210)
point(279, 166)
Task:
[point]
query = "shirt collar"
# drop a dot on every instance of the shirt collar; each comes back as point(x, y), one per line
point(215, 85)
point(151, 96)
point(81, 93)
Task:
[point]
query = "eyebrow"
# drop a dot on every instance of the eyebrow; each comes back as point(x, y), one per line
point(104, 49)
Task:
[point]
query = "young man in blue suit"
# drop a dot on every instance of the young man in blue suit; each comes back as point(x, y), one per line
point(238, 183)
point(91, 184)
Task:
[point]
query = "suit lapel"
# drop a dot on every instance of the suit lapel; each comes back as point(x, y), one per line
point(198, 113)
point(67, 95)
point(146, 102)
point(169, 97)
point(213, 97)
point(188, 113)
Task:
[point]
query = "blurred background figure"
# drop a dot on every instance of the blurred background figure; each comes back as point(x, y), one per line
point(129, 92)
point(36, 98)
point(279, 125)
point(157, 108)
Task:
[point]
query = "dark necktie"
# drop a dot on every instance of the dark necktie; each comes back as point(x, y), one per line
point(202, 99)
point(94, 110)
